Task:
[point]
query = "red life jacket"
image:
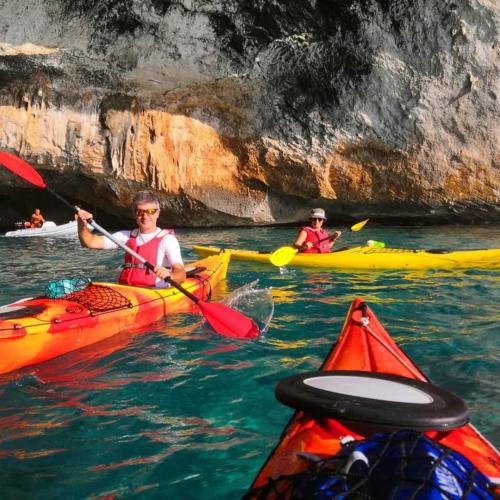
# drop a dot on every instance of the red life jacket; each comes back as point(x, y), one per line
point(134, 272)
point(314, 237)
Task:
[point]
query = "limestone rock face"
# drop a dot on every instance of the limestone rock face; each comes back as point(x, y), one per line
point(240, 112)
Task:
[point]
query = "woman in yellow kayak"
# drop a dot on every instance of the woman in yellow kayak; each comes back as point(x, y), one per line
point(313, 238)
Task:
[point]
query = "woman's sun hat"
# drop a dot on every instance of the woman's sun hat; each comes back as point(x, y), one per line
point(317, 213)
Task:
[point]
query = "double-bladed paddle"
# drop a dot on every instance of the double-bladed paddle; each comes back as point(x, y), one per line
point(283, 255)
point(224, 320)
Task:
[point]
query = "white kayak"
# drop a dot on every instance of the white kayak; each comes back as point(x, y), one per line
point(49, 229)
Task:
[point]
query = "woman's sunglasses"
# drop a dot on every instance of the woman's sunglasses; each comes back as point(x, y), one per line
point(317, 219)
point(149, 211)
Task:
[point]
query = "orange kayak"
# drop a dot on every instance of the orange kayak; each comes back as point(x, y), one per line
point(365, 349)
point(38, 329)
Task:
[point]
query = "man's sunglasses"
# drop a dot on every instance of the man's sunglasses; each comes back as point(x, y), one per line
point(316, 219)
point(149, 211)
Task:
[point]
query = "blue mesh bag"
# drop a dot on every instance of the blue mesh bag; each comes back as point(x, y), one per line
point(398, 465)
point(58, 289)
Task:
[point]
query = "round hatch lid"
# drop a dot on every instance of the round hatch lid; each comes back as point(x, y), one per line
point(375, 399)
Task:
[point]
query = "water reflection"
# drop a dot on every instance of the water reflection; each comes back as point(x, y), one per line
point(175, 407)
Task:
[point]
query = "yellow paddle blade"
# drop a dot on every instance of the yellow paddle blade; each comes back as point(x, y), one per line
point(359, 225)
point(282, 256)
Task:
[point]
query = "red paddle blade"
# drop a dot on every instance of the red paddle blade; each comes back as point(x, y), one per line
point(21, 169)
point(228, 322)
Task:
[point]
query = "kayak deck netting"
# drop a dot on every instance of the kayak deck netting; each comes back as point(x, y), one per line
point(38, 329)
point(364, 346)
point(99, 298)
point(375, 258)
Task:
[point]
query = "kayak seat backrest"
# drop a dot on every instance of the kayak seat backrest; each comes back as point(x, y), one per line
point(15, 312)
point(341, 249)
point(193, 272)
point(438, 250)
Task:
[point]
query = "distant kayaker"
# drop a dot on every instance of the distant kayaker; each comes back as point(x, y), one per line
point(36, 220)
point(158, 246)
point(313, 238)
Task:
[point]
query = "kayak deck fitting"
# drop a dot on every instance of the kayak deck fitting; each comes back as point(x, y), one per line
point(375, 258)
point(363, 347)
point(38, 329)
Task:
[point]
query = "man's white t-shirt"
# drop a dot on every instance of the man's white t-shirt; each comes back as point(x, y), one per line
point(169, 251)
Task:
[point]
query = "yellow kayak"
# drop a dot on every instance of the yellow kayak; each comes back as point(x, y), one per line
point(376, 258)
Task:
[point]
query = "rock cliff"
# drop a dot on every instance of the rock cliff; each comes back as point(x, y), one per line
point(252, 112)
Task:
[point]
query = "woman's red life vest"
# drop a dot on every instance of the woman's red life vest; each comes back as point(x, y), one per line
point(134, 272)
point(314, 237)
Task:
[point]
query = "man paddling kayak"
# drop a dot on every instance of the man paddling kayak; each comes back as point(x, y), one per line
point(313, 238)
point(159, 246)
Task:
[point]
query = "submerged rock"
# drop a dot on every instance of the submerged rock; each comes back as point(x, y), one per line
point(243, 112)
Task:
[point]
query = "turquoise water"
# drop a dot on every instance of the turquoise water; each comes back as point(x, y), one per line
point(175, 411)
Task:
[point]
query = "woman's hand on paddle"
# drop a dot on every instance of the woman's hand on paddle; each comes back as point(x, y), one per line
point(335, 236)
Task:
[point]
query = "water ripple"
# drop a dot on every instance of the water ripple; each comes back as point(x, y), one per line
point(176, 408)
